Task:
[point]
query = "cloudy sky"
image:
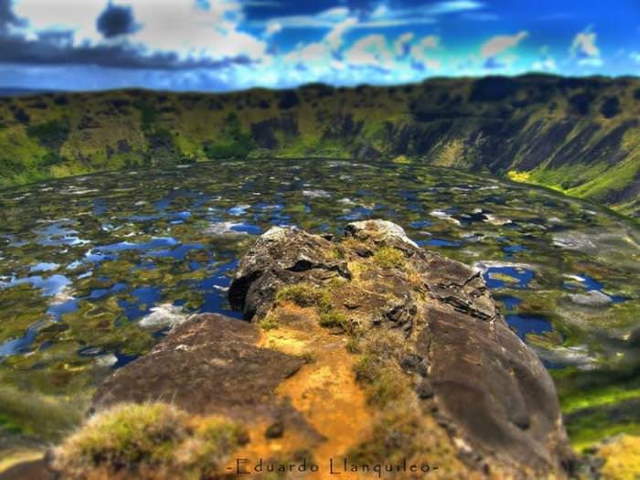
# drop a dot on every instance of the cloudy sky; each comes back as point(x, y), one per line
point(235, 44)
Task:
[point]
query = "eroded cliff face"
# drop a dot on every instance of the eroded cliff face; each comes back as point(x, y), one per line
point(366, 350)
point(578, 135)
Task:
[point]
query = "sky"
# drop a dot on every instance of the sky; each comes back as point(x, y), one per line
point(221, 45)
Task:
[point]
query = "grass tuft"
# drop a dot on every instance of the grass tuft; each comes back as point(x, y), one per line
point(148, 441)
point(269, 322)
point(389, 257)
point(305, 295)
point(334, 319)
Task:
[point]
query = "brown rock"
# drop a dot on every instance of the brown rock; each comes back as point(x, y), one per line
point(368, 348)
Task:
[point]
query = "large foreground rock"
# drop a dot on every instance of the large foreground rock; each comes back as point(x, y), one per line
point(368, 349)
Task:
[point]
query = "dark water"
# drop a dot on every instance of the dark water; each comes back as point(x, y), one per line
point(86, 261)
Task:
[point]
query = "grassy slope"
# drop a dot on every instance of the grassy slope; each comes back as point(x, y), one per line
point(581, 136)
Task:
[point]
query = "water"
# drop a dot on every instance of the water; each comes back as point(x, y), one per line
point(84, 260)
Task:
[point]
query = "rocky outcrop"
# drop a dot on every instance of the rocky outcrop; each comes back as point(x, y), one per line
point(358, 352)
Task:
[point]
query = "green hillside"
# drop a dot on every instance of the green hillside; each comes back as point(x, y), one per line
point(577, 135)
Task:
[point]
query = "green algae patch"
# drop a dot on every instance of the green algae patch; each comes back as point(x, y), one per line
point(598, 404)
point(21, 307)
point(592, 428)
point(594, 398)
point(104, 326)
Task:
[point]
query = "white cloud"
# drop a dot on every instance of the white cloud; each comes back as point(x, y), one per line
point(500, 43)
point(334, 14)
point(585, 50)
point(372, 50)
point(594, 62)
point(401, 45)
point(452, 6)
point(273, 28)
point(311, 53)
point(78, 16)
point(421, 52)
point(584, 44)
point(382, 16)
point(323, 51)
point(324, 19)
point(334, 37)
point(211, 33)
point(179, 26)
point(395, 22)
point(381, 11)
point(546, 63)
point(635, 56)
point(430, 41)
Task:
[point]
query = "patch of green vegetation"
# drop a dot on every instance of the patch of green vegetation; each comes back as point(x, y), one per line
point(334, 319)
point(148, 114)
point(22, 306)
point(384, 384)
point(337, 253)
point(153, 440)
point(399, 430)
point(81, 133)
point(51, 134)
point(310, 296)
point(306, 295)
point(587, 430)
point(378, 369)
point(608, 395)
point(269, 322)
point(389, 257)
point(105, 326)
point(32, 414)
point(235, 143)
point(598, 404)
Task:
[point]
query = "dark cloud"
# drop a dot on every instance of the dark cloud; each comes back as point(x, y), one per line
point(7, 17)
point(58, 47)
point(116, 20)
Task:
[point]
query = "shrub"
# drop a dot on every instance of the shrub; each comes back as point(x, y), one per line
point(148, 441)
point(235, 142)
point(334, 319)
point(50, 134)
point(384, 382)
point(493, 89)
point(610, 107)
point(288, 99)
point(581, 103)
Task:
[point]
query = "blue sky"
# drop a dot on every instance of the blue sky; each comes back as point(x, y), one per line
point(217, 45)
